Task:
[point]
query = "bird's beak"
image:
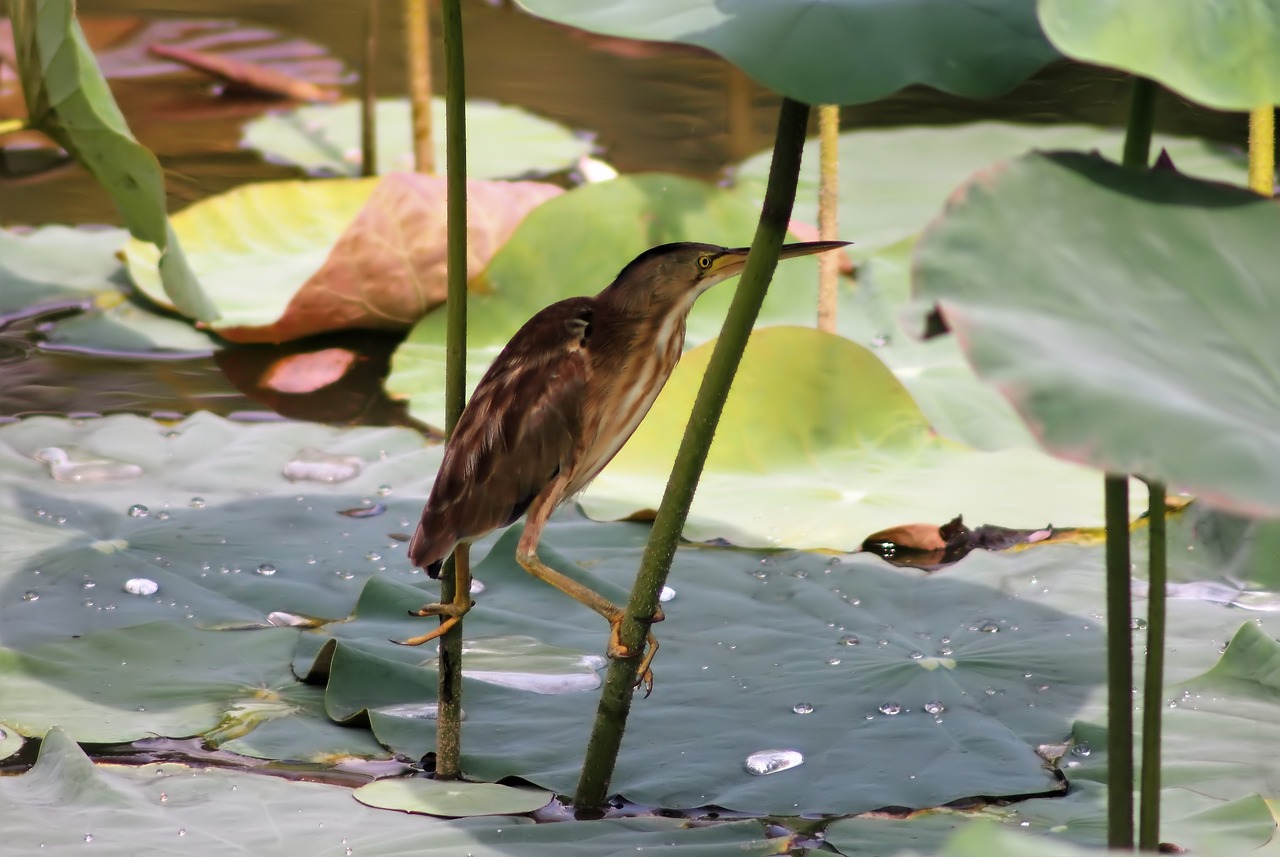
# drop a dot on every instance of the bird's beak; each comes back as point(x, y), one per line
point(732, 261)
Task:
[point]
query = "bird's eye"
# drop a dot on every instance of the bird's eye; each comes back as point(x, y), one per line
point(704, 262)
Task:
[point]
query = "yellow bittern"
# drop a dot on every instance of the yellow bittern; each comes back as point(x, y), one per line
point(555, 407)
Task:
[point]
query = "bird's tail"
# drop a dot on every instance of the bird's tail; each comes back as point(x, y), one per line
point(428, 553)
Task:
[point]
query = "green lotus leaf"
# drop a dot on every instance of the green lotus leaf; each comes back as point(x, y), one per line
point(67, 802)
point(893, 182)
point(827, 463)
point(54, 266)
point(1095, 317)
point(918, 683)
point(502, 141)
point(844, 52)
point(576, 244)
point(451, 799)
point(1050, 825)
point(125, 684)
point(1218, 52)
point(10, 741)
point(68, 99)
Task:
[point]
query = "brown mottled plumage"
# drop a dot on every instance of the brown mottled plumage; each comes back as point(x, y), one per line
point(555, 407)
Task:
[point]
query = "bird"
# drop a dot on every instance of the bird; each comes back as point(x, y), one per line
point(560, 400)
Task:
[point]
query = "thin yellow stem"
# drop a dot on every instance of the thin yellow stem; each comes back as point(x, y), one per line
point(1262, 150)
point(828, 197)
point(417, 28)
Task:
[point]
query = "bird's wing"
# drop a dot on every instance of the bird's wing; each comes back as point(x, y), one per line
point(517, 432)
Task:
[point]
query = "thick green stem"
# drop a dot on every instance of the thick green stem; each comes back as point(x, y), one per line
point(369, 93)
point(1137, 154)
point(449, 725)
point(417, 28)
point(1119, 668)
point(615, 699)
point(1153, 687)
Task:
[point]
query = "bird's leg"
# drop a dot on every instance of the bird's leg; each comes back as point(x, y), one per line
point(455, 609)
point(527, 556)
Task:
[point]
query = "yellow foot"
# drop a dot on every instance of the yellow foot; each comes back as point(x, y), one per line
point(454, 612)
point(616, 649)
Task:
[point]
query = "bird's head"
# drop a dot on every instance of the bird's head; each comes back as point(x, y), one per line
point(673, 275)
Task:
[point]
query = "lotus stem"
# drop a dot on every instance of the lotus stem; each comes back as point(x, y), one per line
point(1153, 683)
point(417, 26)
point(828, 198)
point(449, 723)
point(615, 698)
point(1262, 150)
point(369, 93)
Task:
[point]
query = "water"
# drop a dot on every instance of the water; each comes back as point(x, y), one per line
point(315, 465)
point(765, 762)
point(141, 586)
point(70, 464)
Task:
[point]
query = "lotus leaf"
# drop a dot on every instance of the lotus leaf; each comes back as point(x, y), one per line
point(844, 52)
point(1127, 337)
point(1217, 52)
point(502, 141)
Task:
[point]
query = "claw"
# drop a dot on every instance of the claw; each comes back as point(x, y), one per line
point(432, 635)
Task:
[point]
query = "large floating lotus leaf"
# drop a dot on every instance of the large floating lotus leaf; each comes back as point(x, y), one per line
point(827, 462)
point(1047, 824)
point(1217, 52)
point(288, 259)
point(66, 802)
point(158, 679)
point(1215, 724)
point(894, 181)
point(57, 266)
point(69, 100)
point(575, 245)
point(226, 537)
point(502, 141)
point(749, 641)
point(1129, 321)
point(844, 52)
point(451, 799)
point(997, 840)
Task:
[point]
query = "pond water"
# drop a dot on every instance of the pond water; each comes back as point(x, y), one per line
point(648, 107)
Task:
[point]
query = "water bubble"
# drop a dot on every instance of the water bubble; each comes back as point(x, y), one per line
point(162, 516)
point(182, 831)
point(31, 595)
point(88, 837)
point(1081, 749)
point(163, 797)
point(477, 586)
point(316, 465)
point(196, 503)
point(764, 762)
point(934, 707)
point(71, 464)
point(1137, 624)
point(985, 626)
point(802, 708)
point(880, 340)
point(384, 490)
point(373, 556)
point(849, 640)
point(137, 510)
point(283, 619)
point(141, 586)
point(800, 573)
point(989, 691)
point(266, 569)
point(310, 560)
point(666, 594)
point(891, 708)
point(916, 655)
point(832, 661)
point(89, 583)
point(946, 651)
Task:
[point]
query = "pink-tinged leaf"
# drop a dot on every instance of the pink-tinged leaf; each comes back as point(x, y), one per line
point(388, 268)
point(309, 371)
